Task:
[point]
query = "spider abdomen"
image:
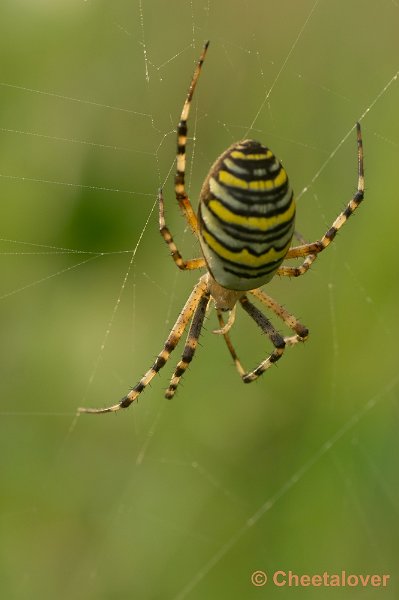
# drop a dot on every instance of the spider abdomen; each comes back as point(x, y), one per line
point(246, 216)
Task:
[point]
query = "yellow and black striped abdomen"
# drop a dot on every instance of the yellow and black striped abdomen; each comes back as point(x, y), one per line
point(246, 216)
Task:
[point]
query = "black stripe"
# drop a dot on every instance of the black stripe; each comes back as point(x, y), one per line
point(250, 147)
point(254, 205)
point(159, 363)
point(267, 267)
point(269, 239)
point(249, 174)
point(182, 128)
point(245, 234)
point(253, 197)
point(247, 275)
point(137, 388)
point(248, 248)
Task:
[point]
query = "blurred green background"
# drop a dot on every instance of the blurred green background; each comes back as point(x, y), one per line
point(185, 499)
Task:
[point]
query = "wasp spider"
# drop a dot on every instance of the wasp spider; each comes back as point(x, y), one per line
point(245, 225)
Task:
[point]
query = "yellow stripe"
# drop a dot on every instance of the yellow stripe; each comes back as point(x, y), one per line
point(244, 257)
point(238, 154)
point(256, 223)
point(254, 185)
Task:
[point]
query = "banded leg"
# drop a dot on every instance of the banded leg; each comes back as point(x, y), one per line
point(267, 328)
point(193, 263)
point(195, 298)
point(190, 346)
point(311, 251)
point(292, 322)
point(180, 189)
point(297, 271)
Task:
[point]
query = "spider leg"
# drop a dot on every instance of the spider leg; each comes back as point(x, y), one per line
point(196, 297)
point(312, 250)
point(180, 188)
point(264, 323)
point(292, 322)
point(267, 328)
point(230, 321)
point(237, 362)
point(193, 263)
point(190, 346)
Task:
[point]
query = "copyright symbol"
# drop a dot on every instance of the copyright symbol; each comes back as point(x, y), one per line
point(259, 578)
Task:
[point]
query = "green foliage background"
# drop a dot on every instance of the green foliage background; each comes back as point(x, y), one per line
point(157, 502)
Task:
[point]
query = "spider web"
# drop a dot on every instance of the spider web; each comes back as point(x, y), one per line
point(187, 499)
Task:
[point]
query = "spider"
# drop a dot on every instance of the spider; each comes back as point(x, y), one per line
point(245, 225)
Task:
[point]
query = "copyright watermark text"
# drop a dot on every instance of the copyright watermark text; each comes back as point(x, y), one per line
point(325, 579)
